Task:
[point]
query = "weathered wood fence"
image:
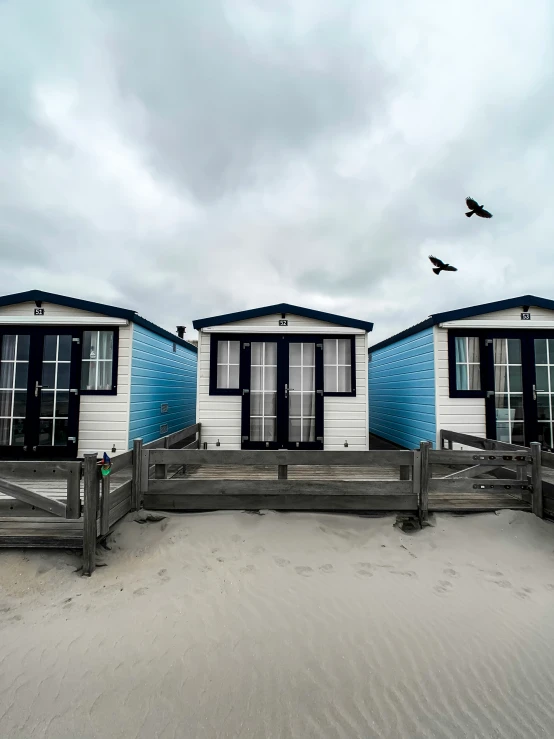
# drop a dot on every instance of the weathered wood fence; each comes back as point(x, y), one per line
point(543, 489)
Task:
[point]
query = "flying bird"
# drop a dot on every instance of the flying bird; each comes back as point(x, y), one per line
point(474, 207)
point(440, 266)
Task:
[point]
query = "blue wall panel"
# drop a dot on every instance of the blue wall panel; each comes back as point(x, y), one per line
point(402, 391)
point(160, 375)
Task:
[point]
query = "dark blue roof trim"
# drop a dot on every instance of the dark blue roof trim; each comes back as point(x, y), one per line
point(282, 308)
point(107, 310)
point(470, 312)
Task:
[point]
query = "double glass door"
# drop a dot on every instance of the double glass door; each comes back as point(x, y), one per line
point(39, 400)
point(282, 401)
point(519, 370)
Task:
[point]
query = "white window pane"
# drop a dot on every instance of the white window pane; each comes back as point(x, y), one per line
point(5, 429)
point(330, 351)
point(270, 404)
point(473, 349)
point(234, 352)
point(270, 426)
point(234, 376)
point(295, 353)
point(344, 351)
point(256, 404)
point(500, 351)
point(105, 345)
point(256, 429)
point(271, 352)
point(461, 377)
point(256, 378)
point(309, 355)
point(308, 429)
point(345, 380)
point(474, 377)
point(6, 397)
point(461, 346)
point(256, 355)
point(88, 376)
point(105, 370)
point(309, 378)
point(6, 375)
point(295, 429)
point(270, 378)
point(295, 404)
point(8, 347)
point(330, 379)
point(308, 404)
point(222, 376)
point(222, 352)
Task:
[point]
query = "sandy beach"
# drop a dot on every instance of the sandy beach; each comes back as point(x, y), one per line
point(284, 625)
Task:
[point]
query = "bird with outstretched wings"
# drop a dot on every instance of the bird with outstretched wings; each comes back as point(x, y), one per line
point(440, 266)
point(479, 210)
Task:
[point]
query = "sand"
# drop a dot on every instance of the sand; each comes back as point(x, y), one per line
point(285, 625)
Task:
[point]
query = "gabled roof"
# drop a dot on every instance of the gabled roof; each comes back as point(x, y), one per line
point(470, 312)
point(107, 310)
point(282, 308)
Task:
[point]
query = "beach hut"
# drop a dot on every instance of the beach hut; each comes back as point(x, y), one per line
point(282, 377)
point(486, 370)
point(78, 376)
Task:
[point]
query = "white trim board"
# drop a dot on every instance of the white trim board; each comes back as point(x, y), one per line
point(62, 321)
point(497, 324)
point(242, 329)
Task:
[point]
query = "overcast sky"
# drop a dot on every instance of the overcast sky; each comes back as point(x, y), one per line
point(186, 158)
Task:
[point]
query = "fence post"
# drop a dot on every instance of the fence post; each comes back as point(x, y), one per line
point(416, 479)
point(73, 502)
point(425, 473)
point(137, 469)
point(536, 479)
point(160, 470)
point(282, 471)
point(105, 507)
point(90, 513)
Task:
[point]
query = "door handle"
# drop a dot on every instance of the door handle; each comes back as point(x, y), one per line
point(286, 390)
point(534, 392)
point(37, 388)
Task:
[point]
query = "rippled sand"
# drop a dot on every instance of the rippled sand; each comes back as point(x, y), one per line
point(285, 625)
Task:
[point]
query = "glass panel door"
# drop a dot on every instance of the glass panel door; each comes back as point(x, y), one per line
point(54, 390)
point(263, 392)
point(14, 373)
point(508, 388)
point(302, 392)
point(544, 389)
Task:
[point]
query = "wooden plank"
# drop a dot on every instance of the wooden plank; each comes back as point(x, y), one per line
point(120, 461)
point(34, 469)
point(277, 457)
point(41, 542)
point(478, 469)
point(207, 502)
point(183, 486)
point(105, 506)
point(40, 529)
point(536, 479)
point(90, 511)
point(461, 485)
point(73, 490)
point(11, 507)
point(137, 470)
point(34, 499)
point(425, 476)
point(120, 510)
point(455, 436)
point(445, 456)
point(179, 436)
point(46, 520)
point(416, 480)
point(492, 444)
point(123, 491)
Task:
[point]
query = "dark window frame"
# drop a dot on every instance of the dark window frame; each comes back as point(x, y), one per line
point(347, 393)
point(454, 392)
point(214, 338)
point(115, 361)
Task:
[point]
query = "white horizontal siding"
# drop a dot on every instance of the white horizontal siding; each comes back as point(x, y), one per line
point(344, 418)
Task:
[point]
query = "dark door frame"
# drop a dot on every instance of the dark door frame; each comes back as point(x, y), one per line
point(283, 342)
point(31, 449)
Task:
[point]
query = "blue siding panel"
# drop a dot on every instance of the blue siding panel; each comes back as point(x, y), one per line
point(160, 375)
point(402, 391)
